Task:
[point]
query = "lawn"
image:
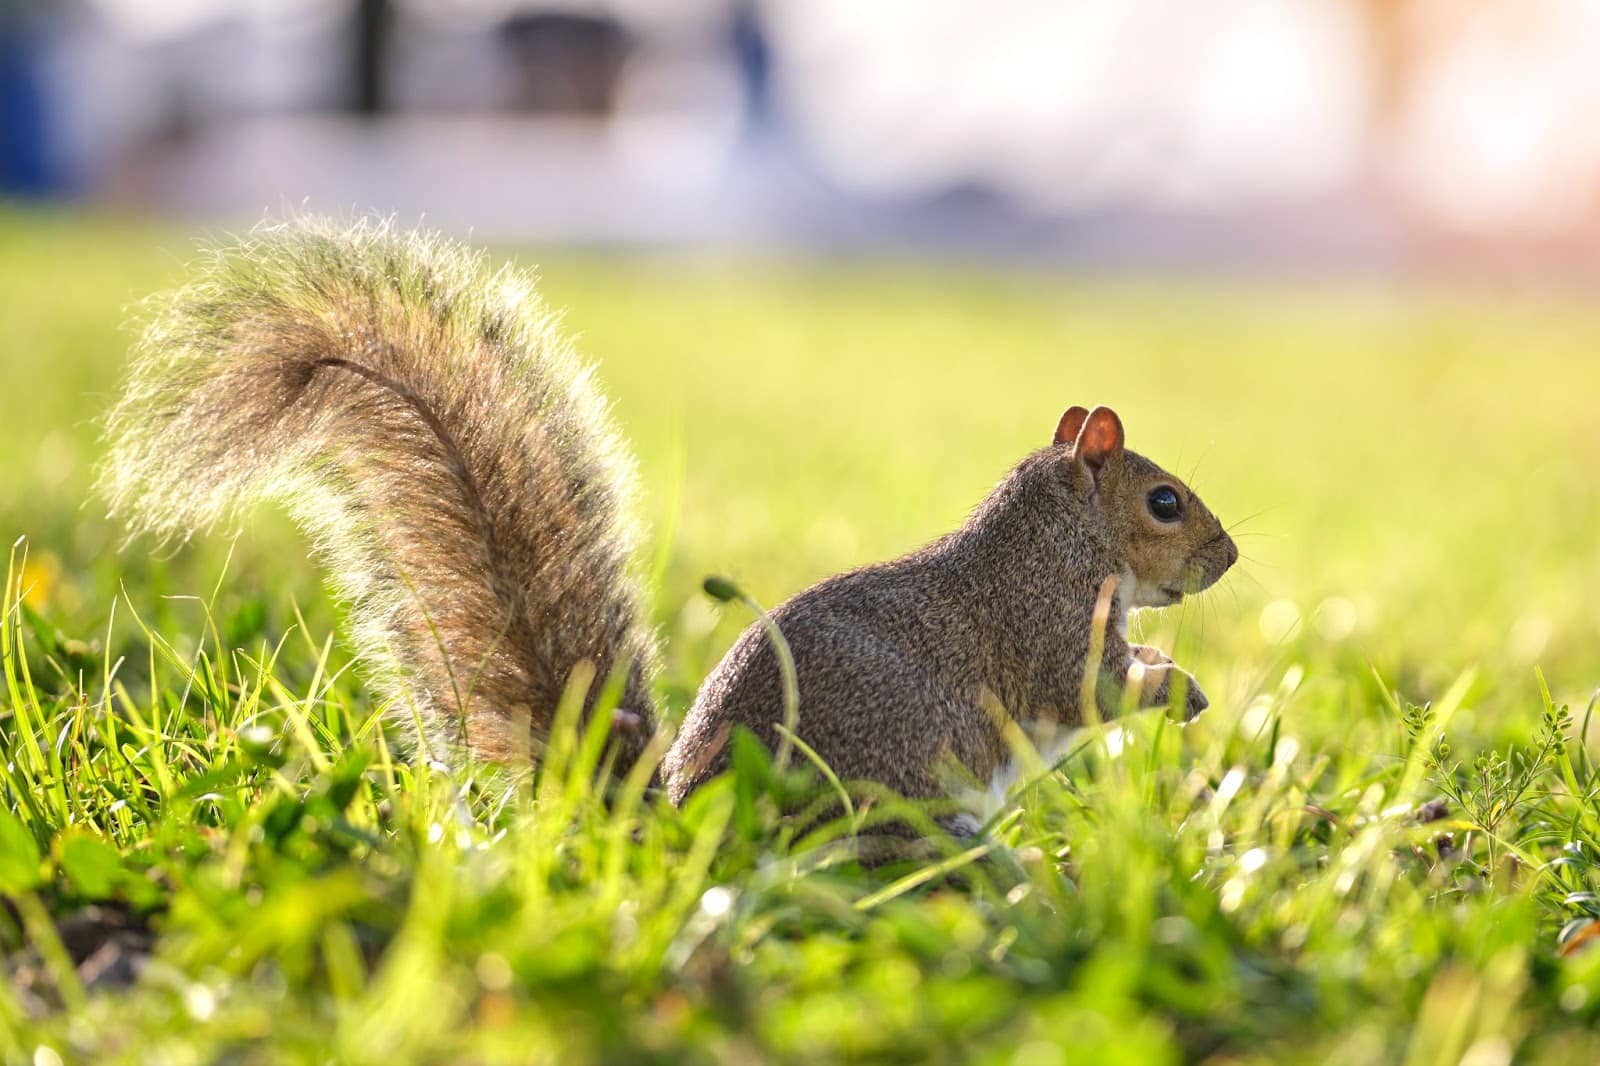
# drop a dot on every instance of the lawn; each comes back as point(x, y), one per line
point(1381, 843)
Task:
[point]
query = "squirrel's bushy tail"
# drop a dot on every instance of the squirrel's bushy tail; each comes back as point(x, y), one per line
point(420, 415)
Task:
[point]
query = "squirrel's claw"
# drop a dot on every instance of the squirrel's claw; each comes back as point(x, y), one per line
point(1157, 681)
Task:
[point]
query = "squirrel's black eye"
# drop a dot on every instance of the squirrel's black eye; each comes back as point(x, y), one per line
point(1164, 504)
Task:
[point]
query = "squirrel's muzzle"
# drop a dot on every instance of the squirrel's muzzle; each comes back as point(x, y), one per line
point(1210, 562)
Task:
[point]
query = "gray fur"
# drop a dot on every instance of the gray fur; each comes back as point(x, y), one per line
point(422, 418)
point(909, 666)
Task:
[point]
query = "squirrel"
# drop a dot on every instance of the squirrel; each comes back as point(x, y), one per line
point(421, 416)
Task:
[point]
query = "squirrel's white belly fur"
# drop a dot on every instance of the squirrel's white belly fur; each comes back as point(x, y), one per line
point(1048, 751)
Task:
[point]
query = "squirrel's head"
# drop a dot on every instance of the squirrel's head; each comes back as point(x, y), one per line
point(1163, 536)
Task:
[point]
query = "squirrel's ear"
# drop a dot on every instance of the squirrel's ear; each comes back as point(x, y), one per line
point(1100, 438)
point(1070, 425)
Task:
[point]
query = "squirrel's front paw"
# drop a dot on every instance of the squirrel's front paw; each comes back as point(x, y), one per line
point(1149, 655)
point(1194, 698)
point(1162, 678)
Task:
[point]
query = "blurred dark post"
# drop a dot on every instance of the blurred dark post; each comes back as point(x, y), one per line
point(374, 20)
point(28, 163)
point(753, 55)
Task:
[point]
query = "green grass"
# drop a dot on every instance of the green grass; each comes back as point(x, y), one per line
point(193, 778)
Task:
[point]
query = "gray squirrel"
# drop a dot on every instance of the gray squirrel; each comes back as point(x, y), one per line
point(421, 416)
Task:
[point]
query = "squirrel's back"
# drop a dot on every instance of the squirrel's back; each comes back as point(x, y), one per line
point(420, 415)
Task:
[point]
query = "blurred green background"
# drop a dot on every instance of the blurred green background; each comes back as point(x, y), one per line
point(1410, 471)
point(839, 266)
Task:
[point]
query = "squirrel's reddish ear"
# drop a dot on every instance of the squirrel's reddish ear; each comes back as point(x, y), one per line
point(1100, 438)
point(1071, 423)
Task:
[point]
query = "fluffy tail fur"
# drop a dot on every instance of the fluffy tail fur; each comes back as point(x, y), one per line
point(420, 415)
